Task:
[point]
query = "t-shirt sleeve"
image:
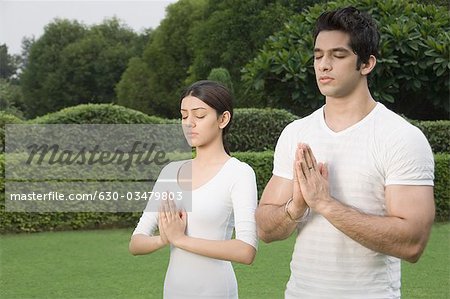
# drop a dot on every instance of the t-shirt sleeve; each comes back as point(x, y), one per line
point(149, 219)
point(409, 160)
point(147, 224)
point(244, 197)
point(283, 158)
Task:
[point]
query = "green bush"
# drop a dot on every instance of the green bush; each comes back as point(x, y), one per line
point(99, 114)
point(221, 75)
point(262, 164)
point(257, 130)
point(441, 186)
point(260, 161)
point(411, 76)
point(437, 133)
point(6, 118)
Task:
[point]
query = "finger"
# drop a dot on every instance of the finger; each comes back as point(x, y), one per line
point(305, 170)
point(165, 211)
point(168, 207)
point(312, 158)
point(308, 158)
point(299, 172)
point(298, 151)
point(173, 208)
point(160, 225)
point(324, 171)
point(304, 164)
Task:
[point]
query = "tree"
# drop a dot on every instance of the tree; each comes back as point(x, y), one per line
point(40, 80)
point(11, 98)
point(73, 64)
point(8, 63)
point(167, 58)
point(133, 90)
point(27, 42)
point(411, 76)
point(223, 76)
point(232, 34)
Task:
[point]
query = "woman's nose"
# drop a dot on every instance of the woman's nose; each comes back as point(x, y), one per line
point(190, 122)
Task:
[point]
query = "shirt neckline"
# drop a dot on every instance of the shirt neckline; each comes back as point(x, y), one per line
point(207, 182)
point(370, 115)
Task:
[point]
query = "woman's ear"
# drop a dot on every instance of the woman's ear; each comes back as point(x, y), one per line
point(224, 119)
point(366, 68)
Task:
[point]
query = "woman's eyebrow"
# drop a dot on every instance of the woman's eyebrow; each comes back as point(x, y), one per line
point(194, 109)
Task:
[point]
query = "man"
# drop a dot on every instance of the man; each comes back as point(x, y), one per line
point(354, 178)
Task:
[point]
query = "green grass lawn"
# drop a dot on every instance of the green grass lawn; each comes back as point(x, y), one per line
point(96, 264)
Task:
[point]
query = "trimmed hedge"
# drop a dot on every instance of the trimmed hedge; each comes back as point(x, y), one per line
point(441, 186)
point(252, 129)
point(6, 118)
point(260, 161)
point(262, 164)
point(99, 114)
point(257, 130)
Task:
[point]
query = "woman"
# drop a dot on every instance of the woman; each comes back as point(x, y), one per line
point(224, 197)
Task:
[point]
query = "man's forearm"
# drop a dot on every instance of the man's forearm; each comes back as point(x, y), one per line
point(390, 235)
point(273, 223)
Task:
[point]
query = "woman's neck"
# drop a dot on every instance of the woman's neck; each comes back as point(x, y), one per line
point(213, 153)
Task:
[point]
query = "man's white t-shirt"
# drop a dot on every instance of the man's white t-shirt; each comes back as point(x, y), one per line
point(382, 149)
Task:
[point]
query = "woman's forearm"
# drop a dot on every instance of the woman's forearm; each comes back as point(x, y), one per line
point(143, 244)
point(229, 250)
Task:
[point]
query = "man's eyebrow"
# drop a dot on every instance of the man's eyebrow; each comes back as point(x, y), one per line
point(338, 49)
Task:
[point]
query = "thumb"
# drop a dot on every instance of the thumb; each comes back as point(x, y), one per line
point(295, 178)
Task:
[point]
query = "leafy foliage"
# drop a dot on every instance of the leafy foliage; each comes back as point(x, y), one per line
point(441, 189)
point(232, 34)
point(73, 64)
point(412, 72)
point(194, 38)
point(223, 76)
point(8, 63)
point(165, 60)
point(11, 99)
point(98, 114)
point(6, 118)
point(133, 90)
point(255, 129)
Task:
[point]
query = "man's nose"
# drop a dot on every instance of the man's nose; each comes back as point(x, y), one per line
point(325, 64)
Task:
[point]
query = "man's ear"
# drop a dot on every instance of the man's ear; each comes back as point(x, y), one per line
point(224, 119)
point(367, 67)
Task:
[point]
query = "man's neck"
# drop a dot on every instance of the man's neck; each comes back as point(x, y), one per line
point(342, 113)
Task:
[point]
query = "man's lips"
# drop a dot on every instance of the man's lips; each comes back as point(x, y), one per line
point(325, 79)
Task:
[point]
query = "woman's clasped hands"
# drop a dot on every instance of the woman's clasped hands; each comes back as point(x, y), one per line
point(172, 222)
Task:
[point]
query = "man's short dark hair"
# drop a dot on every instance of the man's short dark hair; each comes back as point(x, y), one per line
point(364, 34)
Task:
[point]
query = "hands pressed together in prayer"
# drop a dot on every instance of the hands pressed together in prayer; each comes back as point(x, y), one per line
point(172, 222)
point(310, 179)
